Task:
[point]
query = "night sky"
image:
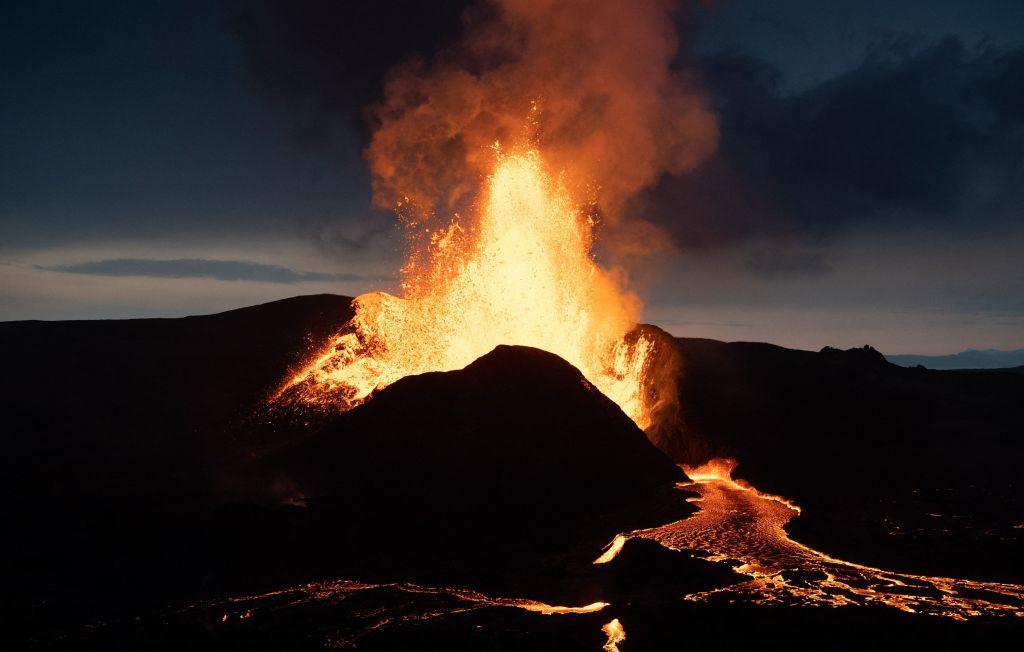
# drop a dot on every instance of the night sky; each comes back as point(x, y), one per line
point(172, 158)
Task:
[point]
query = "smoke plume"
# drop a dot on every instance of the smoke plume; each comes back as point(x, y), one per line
point(589, 81)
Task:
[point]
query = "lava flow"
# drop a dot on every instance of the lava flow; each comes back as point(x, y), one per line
point(501, 240)
point(521, 272)
point(738, 523)
point(372, 607)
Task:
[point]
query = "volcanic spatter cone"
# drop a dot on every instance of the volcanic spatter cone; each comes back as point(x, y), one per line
point(516, 447)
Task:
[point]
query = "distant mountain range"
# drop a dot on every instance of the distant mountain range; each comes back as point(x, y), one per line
point(969, 359)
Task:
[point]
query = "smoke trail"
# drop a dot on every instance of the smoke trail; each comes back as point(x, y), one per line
point(611, 115)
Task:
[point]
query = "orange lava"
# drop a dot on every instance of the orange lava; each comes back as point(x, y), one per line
point(612, 550)
point(392, 604)
point(615, 633)
point(737, 522)
point(522, 272)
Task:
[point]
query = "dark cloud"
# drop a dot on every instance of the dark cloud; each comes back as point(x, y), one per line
point(933, 133)
point(325, 60)
point(340, 239)
point(221, 270)
point(774, 264)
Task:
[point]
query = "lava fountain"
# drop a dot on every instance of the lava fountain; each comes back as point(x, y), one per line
point(502, 238)
point(521, 271)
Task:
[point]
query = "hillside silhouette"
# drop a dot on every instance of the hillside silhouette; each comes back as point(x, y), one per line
point(146, 462)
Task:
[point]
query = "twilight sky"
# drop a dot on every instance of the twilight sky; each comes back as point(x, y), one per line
point(170, 158)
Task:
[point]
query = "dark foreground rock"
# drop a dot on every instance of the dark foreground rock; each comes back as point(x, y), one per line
point(494, 467)
point(115, 434)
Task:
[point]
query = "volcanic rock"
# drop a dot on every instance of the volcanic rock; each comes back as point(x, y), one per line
point(122, 433)
point(516, 450)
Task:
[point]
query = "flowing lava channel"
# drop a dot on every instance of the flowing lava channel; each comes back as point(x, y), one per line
point(371, 607)
point(737, 522)
point(521, 272)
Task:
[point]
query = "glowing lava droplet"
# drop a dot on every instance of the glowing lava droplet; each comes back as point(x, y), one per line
point(615, 633)
point(521, 273)
point(612, 550)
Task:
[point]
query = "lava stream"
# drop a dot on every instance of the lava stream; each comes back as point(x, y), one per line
point(374, 606)
point(737, 522)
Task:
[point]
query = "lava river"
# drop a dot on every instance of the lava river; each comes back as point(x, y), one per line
point(740, 525)
point(736, 524)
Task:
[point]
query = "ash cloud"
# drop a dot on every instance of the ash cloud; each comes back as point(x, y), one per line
point(918, 132)
point(443, 81)
point(614, 112)
point(932, 134)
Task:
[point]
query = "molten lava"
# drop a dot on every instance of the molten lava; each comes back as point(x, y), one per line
point(378, 606)
point(615, 633)
point(521, 272)
point(736, 522)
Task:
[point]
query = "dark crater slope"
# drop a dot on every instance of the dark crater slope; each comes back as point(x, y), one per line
point(519, 433)
point(490, 475)
point(141, 486)
point(906, 468)
point(114, 436)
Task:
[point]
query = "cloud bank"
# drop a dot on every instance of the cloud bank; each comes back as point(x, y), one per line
point(930, 134)
point(221, 270)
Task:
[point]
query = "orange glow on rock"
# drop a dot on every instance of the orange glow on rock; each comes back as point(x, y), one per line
point(520, 272)
point(719, 468)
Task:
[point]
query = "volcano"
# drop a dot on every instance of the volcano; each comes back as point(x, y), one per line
point(516, 426)
point(434, 465)
point(509, 463)
point(163, 496)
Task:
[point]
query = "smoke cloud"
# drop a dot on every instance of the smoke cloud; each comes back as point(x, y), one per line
point(591, 81)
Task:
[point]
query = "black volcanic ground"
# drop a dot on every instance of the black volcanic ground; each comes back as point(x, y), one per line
point(146, 473)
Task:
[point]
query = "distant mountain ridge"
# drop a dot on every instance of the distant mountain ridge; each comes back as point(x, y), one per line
point(969, 359)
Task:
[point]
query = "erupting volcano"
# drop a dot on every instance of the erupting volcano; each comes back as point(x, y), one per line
point(499, 454)
point(520, 271)
point(501, 216)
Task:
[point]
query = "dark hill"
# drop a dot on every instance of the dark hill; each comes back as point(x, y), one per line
point(118, 435)
point(114, 434)
point(515, 445)
point(145, 398)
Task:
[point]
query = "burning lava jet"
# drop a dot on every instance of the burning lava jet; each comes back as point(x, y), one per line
point(521, 274)
point(501, 216)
